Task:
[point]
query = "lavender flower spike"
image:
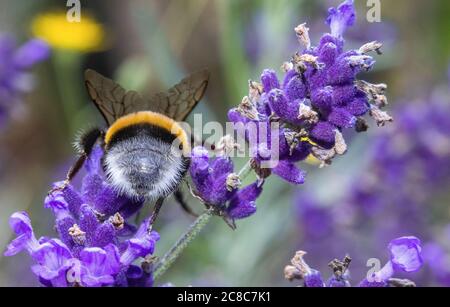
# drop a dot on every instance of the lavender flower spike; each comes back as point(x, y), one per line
point(96, 246)
point(318, 98)
point(217, 185)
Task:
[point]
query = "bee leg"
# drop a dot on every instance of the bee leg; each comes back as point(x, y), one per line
point(180, 199)
point(71, 174)
point(84, 144)
point(155, 213)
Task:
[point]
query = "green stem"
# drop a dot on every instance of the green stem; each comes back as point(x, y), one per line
point(169, 258)
point(246, 170)
point(67, 72)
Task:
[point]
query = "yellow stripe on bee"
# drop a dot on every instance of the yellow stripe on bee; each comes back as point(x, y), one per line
point(310, 159)
point(307, 139)
point(152, 118)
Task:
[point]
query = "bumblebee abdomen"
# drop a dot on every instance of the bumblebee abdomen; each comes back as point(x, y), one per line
point(142, 159)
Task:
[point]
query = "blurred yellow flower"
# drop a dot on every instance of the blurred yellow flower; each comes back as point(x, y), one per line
point(84, 36)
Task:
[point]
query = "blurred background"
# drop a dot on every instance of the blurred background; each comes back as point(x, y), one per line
point(393, 182)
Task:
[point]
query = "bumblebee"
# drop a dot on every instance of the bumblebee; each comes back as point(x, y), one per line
point(145, 148)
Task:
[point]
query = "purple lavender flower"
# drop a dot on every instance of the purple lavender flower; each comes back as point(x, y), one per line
point(20, 223)
point(405, 255)
point(218, 186)
point(91, 223)
point(281, 156)
point(341, 18)
point(15, 79)
point(340, 278)
point(338, 282)
point(318, 97)
point(53, 260)
point(299, 269)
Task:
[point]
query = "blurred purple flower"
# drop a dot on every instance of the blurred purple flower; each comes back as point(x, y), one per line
point(338, 282)
point(15, 63)
point(91, 223)
point(437, 260)
point(316, 222)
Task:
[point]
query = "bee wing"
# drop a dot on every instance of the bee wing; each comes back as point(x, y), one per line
point(113, 101)
point(179, 100)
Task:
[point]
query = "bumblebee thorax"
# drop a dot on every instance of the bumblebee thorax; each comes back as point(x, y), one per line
point(142, 157)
